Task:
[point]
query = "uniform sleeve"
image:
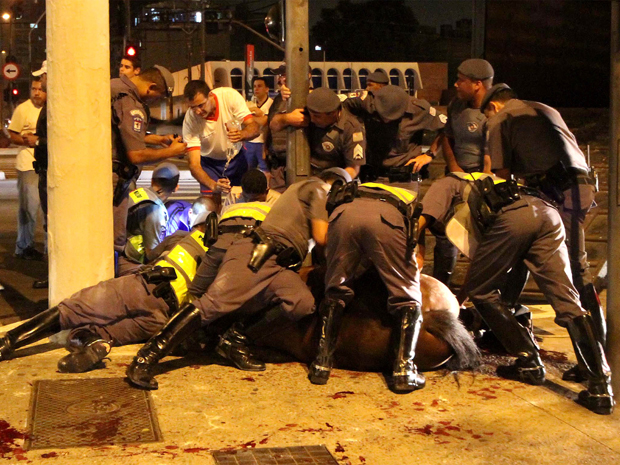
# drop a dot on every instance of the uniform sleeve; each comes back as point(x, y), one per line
point(154, 227)
point(237, 106)
point(18, 120)
point(132, 123)
point(355, 105)
point(191, 131)
point(313, 200)
point(437, 203)
point(429, 118)
point(354, 147)
point(496, 147)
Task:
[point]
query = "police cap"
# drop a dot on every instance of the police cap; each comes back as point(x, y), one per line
point(323, 100)
point(476, 69)
point(168, 79)
point(335, 172)
point(166, 171)
point(490, 93)
point(391, 102)
point(379, 77)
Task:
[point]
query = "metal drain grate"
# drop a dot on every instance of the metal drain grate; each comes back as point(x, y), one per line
point(89, 412)
point(316, 455)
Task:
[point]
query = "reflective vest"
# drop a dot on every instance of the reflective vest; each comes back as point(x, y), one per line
point(471, 177)
point(184, 259)
point(404, 195)
point(252, 210)
point(134, 248)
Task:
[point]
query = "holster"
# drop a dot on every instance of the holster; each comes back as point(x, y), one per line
point(412, 224)
point(265, 247)
point(402, 174)
point(554, 181)
point(212, 230)
point(126, 173)
point(340, 193)
point(162, 276)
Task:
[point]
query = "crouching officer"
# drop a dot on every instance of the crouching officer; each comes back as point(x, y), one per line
point(119, 311)
point(517, 224)
point(257, 272)
point(530, 140)
point(372, 222)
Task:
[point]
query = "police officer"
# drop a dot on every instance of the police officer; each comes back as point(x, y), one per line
point(119, 311)
point(147, 215)
point(372, 222)
point(531, 140)
point(256, 273)
point(376, 81)
point(336, 137)
point(516, 224)
point(462, 146)
point(395, 124)
point(130, 118)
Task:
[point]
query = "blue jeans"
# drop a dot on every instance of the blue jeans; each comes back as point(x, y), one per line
point(253, 152)
point(28, 188)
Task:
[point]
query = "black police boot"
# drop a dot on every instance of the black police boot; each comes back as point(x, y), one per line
point(331, 311)
point(181, 325)
point(87, 350)
point(591, 302)
point(528, 368)
point(43, 325)
point(405, 376)
point(591, 359)
point(233, 346)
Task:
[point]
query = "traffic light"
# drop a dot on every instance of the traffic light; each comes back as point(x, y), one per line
point(15, 94)
point(11, 94)
point(131, 50)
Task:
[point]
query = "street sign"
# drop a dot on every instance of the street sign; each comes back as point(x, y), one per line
point(10, 71)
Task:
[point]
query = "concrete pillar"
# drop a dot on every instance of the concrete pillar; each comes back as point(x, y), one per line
point(297, 59)
point(613, 238)
point(80, 237)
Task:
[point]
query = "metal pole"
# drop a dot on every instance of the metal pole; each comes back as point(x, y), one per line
point(613, 238)
point(297, 59)
point(30, 40)
point(239, 23)
point(203, 44)
point(478, 28)
point(80, 236)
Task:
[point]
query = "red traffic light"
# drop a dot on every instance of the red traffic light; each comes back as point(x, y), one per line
point(15, 91)
point(131, 51)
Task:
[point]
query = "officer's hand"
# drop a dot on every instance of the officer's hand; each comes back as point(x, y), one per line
point(419, 162)
point(30, 139)
point(177, 146)
point(167, 139)
point(285, 92)
point(222, 185)
point(297, 118)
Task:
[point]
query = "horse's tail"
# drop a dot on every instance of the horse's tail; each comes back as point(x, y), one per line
point(447, 327)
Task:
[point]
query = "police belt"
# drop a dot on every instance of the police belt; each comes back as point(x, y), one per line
point(236, 229)
point(404, 174)
point(162, 276)
point(266, 246)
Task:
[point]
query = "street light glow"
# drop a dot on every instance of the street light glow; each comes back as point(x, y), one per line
point(6, 16)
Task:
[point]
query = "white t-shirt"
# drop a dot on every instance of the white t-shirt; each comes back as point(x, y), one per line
point(210, 135)
point(265, 109)
point(24, 121)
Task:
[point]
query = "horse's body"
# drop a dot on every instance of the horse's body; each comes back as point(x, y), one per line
point(365, 338)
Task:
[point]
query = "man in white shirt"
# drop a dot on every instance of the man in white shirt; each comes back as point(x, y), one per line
point(21, 130)
point(259, 106)
point(212, 141)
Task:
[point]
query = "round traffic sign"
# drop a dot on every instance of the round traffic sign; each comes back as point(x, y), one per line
point(10, 71)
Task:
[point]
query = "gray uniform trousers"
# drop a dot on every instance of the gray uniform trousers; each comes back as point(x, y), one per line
point(529, 230)
point(236, 285)
point(122, 310)
point(369, 232)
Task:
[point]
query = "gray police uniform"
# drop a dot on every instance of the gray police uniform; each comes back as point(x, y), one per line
point(530, 138)
point(369, 232)
point(235, 224)
point(341, 145)
point(130, 118)
point(124, 310)
point(276, 147)
point(528, 230)
point(394, 143)
point(289, 224)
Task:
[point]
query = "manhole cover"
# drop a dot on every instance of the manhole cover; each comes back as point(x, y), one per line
point(276, 456)
point(89, 412)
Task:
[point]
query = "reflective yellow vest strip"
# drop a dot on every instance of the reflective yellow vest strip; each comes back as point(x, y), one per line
point(401, 194)
point(137, 242)
point(184, 262)
point(139, 195)
point(254, 210)
point(475, 176)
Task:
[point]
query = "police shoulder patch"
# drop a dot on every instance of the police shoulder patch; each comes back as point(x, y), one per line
point(358, 136)
point(138, 122)
point(358, 152)
point(137, 112)
point(327, 146)
point(443, 118)
point(432, 111)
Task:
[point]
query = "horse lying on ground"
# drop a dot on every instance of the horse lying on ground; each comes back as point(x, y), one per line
point(365, 338)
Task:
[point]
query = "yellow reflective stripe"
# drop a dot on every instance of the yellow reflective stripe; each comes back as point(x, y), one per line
point(137, 242)
point(139, 195)
point(246, 210)
point(476, 176)
point(184, 261)
point(400, 193)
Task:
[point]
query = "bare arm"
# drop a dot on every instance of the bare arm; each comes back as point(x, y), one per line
point(29, 140)
point(447, 146)
point(147, 155)
point(319, 231)
point(193, 157)
point(353, 171)
point(295, 118)
point(487, 164)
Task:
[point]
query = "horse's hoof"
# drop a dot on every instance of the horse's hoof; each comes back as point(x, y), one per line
point(318, 375)
point(574, 375)
point(408, 382)
point(601, 401)
point(520, 371)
